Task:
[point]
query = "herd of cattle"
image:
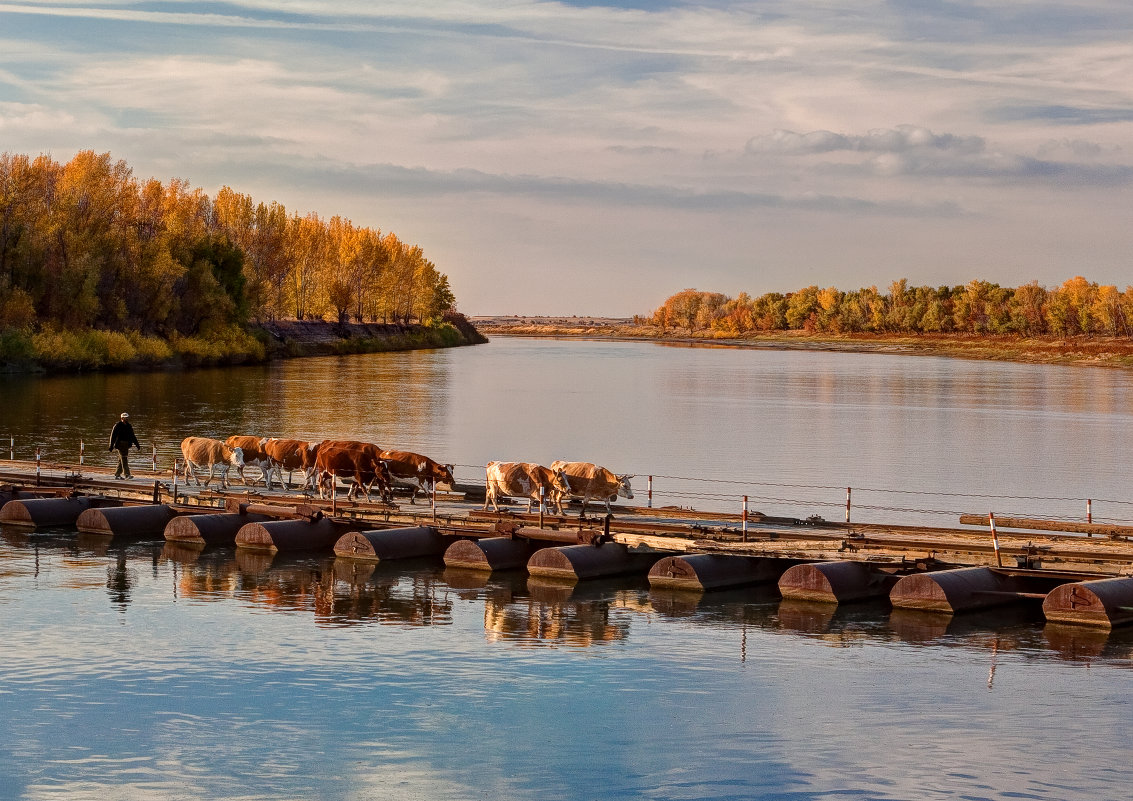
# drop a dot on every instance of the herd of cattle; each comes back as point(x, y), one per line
point(369, 468)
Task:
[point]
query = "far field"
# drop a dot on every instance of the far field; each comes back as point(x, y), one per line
point(1084, 350)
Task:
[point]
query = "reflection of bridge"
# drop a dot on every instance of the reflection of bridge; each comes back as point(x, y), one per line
point(529, 611)
point(1080, 572)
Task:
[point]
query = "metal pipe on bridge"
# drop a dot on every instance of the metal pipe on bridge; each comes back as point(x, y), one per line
point(489, 553)
point(1103, 603)
point(391, 543)
point(289, 535)
point(208, 529)
point(588, 561)
point(42, 512)
point(835, 582)
point(147, 520)
point(705, 571)
point(960, 590)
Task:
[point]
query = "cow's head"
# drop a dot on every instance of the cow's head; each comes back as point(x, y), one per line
point(624, 489)
point(448, 478)
point(237, 458)
point(559, 482)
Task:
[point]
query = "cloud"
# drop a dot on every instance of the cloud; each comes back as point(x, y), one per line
point(1078, 147)
point(1003, 169)
point(902, 139)
point(396, 180)
point(1062, 115)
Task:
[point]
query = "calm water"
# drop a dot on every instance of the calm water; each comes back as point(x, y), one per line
point(144, 672)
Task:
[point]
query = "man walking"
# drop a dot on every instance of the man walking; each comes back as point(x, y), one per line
point(121, 438)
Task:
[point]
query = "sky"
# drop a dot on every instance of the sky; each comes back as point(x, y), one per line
point(594, 158)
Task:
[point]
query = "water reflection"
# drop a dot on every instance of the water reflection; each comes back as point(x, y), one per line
point(674, 413)
point(520, 610)
point(564, 613)
point(394, 399)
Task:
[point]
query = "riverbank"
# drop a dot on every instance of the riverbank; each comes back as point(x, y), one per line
point(61, 351)
point(1097, 351)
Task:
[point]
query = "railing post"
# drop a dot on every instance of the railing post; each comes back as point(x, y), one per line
point(176, 464)
point(847, 504)
point(649, 501)
point(37, 465)
point(744, 525)
point(154, 457)
point(82, 448)
point(994, 538)
point(1089, 512)
point(434, 494)
point(12, 448)
point(542, 499)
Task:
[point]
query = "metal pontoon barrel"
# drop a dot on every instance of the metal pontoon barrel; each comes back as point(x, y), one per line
point(588, 561)
point(288, 535)
point(835, 582)
point(38, 512)
point(707, 571)
point(489, 553)
point(951, 591)
point(148, 520)
point(391, 543)
point(1104, 603)
point(209, 529)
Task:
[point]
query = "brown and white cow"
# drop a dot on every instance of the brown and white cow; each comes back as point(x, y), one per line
point(417, 471)
point(202, 452)
point(292, 455)
point(255, 455)
point(360, 462)
point(525, 480)
point(591, 481)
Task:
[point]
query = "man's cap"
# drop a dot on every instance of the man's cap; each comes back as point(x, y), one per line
point(125, 415)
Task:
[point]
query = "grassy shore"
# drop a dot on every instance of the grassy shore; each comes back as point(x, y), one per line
point(62, 350)
point(1098, 351)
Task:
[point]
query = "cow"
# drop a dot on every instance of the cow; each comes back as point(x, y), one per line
point(417, 471)
point(525, 480)
point(292, 455)
point(202, 452)
point(255, 455)
point(592, 481)
point(359, 461)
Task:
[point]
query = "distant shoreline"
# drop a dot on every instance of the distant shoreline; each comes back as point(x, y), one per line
point(1115, 352)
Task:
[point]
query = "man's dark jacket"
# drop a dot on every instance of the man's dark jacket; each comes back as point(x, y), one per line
point(122, 437)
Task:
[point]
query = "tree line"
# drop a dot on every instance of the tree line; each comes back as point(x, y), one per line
point(86, 245)
point(1077, 307)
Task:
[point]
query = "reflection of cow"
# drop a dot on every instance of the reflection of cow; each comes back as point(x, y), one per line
point(417, 471)
point(202, 452)
point(525, 480)
point(591, 481)
point(358, 461)
point(292, 455)
point(255, 456)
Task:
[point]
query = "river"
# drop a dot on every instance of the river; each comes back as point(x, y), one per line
point(145, 672)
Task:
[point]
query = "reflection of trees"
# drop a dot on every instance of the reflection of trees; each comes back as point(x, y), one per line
point(310, 399)
point(563, 614)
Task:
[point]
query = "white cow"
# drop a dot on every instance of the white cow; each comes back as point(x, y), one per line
point(525, 480)
point(202, 452)
point(591, 481)
point(255, 456)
